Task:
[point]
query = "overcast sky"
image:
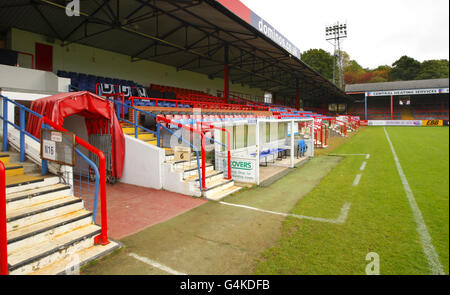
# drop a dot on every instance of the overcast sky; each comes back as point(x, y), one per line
point(379, 32)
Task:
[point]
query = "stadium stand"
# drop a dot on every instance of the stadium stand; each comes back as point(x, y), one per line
point(401, 100)
point(149, 116)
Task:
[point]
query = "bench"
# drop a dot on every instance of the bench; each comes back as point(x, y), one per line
point(280, 152)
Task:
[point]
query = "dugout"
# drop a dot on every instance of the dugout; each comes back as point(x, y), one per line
point(262, 149)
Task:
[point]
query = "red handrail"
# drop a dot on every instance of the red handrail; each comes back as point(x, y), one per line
point(103, 237)
point(344, 125)
point(228, 145)
point(161, 118)
point(3, 234)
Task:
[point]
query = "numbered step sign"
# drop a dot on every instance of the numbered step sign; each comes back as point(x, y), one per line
point(58, 147)
point(182, 154)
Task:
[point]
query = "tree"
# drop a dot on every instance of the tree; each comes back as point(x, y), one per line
point(320, 60)
point(354, 67)
point(406, 68)
point(381, 74)
point(434, 69)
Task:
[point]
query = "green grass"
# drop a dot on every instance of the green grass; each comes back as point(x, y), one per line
point(380, 219)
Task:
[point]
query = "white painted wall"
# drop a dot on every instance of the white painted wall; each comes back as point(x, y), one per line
point(33, 80)
point(89, 60)
point(143, 164)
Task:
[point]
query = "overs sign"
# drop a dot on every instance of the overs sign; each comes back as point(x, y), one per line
point(242, 170)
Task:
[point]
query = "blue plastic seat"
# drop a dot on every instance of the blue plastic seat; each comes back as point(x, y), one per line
point(302, 147)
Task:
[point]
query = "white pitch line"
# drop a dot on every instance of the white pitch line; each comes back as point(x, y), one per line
point(348, 155)
point(425, 238)
point(357, 179)
point(156, 264)
point(363, 166)
point(340, 220)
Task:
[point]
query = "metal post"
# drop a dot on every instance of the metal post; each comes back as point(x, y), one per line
point(293, 143)
point(392, 107)
point(22, 134)
point(158, 134)
point(103, 207)
point(44, 165)
point(136, 131)
point(203, 161)
point(226, 88)
point(257, 151)
point(5, 124)
point(229, 156)
point(3, 228)
point(365, 105)
point(123, 106)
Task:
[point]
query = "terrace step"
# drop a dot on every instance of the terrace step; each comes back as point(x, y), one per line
point(46, 226)
point(23, 217)
point(4, 158)
point(48, 229)
point(13, 169)
point(85, 256)
point(35, 196)
point(193, 170)
point(27, 181)
point(219, 189)
point(32, 257)
point(212, 176)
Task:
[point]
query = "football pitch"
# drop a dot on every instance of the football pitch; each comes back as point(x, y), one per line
point(340, 213)
point(399, 210)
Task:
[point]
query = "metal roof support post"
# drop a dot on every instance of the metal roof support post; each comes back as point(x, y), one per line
point(365, 105)
point(392, 107)
point(226, 87)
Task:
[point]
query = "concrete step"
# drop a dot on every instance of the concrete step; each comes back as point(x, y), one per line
point(13, 157)
point(4, 157)
point(193, 170)
point(217, 187)
point(13, 169)
point(35, 256)
point(27, 182)
point(170, 157)
point(48, 229)
point(84, 257)
point(212, 176)
point(35, 196)
point(23, 217)
point(224, 193)
point(184, 164)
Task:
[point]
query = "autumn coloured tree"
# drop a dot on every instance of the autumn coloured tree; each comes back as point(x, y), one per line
point(404, 69)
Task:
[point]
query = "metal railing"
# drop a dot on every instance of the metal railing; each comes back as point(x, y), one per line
point(3, 235)
point(100, 172)
point(201, 104)
point(159, 119)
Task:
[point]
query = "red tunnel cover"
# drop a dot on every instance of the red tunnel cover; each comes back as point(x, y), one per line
point(97, 111)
